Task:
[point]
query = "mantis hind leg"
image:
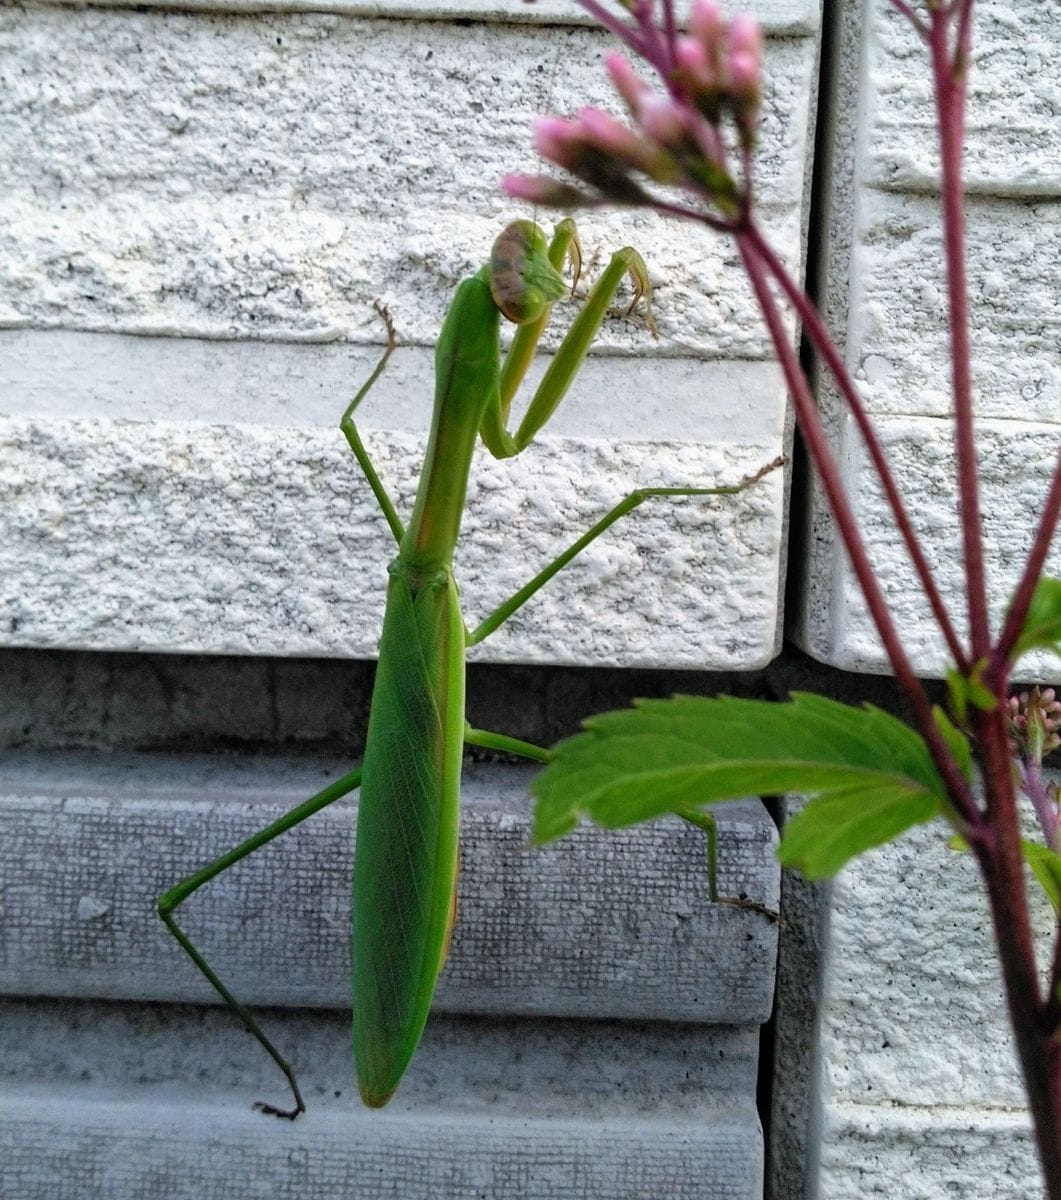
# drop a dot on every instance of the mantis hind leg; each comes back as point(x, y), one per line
point(353, 437)
point(510, 745)
point(709, 826)
point(627, 505)
point(176, 896)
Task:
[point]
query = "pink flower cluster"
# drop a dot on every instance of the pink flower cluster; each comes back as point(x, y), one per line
point(1035, 721)
point(712, 72)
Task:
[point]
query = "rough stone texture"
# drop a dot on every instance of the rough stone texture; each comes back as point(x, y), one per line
point(597, 925)
point(885, 299)
point(263, 538)
point(226, 177)
point(1016, 459)
point(131, 1103)
point(921, 1095)
point(223, 177)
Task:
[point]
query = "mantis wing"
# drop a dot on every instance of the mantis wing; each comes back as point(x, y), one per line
point(406, 856)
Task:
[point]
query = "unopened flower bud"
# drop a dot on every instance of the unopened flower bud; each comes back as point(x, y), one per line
point(627, 82)
point(559, 140)
point(616, 141)
point(664, 122)
point(745, 91)
point(745, 35)
point(706, 24)
point(745, 78)
point(693, 65)
point(541, 189)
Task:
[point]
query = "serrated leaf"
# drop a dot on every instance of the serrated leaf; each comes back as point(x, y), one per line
point(1042, 628)
point(957, 742)
point(834, 828)
point(665, 755)
point(1046, 867)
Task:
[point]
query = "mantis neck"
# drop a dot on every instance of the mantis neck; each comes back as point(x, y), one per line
point(467, 372)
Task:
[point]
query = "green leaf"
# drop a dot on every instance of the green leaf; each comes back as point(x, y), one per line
point(957, 742)
point(1042, 628)
point(1046, 867)
point(872, 774)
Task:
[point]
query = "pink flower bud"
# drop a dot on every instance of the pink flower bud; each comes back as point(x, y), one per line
point(706, 24)
point(540, 189)
point(625, 148)
point(559, 140)
point(627, 82)
point(664, 122)
point(745, 35)
point(603, 130)
point(691, 60)
point(745, 78)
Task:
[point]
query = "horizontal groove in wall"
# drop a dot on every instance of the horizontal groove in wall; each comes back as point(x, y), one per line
point(784, 18)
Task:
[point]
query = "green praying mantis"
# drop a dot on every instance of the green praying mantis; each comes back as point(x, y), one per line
point(406, 856)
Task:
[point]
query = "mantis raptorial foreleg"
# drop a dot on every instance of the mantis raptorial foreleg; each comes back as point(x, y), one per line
point(406, 852)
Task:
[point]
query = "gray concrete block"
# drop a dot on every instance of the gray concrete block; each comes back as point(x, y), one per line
point(133, 1103)
point(597, 925)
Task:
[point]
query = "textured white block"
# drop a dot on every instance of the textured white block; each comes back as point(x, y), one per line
point(265, 540)
point(154, 1104)
point(230, 177)
point(597, 925)
point(1015, 459)
point(885, 300)
point(250, 184)
point(920, 1092)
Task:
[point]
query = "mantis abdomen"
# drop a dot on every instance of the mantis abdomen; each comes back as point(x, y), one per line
point(406, 857)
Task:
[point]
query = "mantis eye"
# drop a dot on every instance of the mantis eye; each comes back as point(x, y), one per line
point(523, 282)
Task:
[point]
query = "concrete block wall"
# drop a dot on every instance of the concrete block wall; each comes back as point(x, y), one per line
point(204, 202)
point(912, 1088)
point(596, 1031)
point(884, 297)
point(202, 208)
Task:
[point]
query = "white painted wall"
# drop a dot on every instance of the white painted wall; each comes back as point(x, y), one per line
point(201, 210)
point(919, 1094)
point(885, 299)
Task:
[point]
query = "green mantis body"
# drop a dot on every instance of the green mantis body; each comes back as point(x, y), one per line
point(405, 869)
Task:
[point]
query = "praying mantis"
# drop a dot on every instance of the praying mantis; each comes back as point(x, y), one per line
point(406, 854)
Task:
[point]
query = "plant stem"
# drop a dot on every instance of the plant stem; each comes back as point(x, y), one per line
point(828, 472)
point(1034, 1023)
point(823, 343)
point(949, 79)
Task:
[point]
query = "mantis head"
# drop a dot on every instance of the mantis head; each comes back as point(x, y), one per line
point(523, 282)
